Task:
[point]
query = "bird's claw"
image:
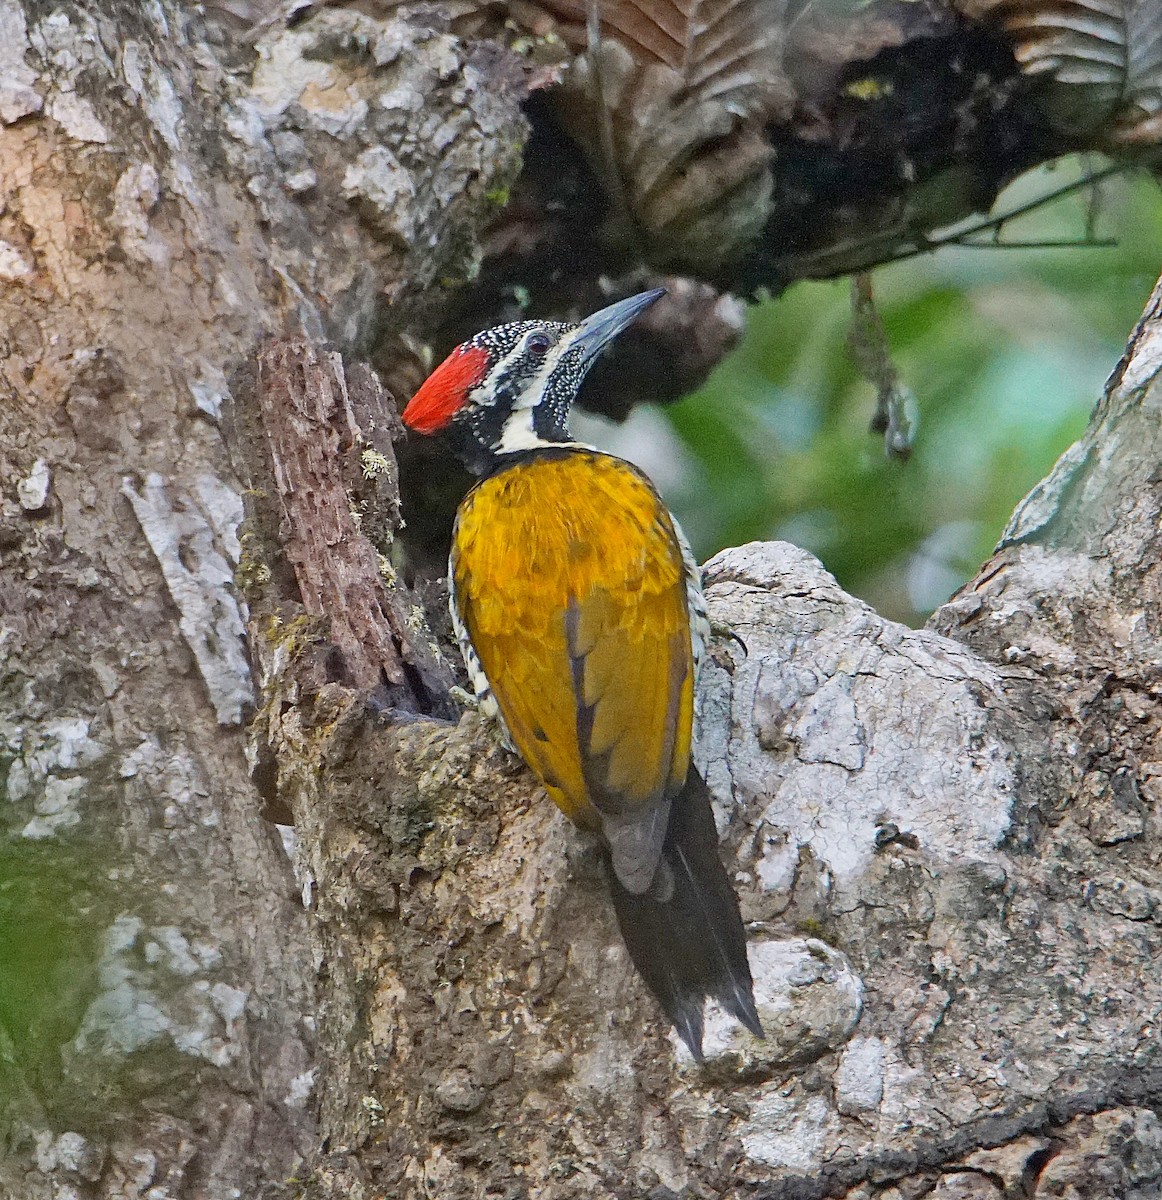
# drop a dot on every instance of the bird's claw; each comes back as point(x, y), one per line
point(723, 632)
point(464, 698)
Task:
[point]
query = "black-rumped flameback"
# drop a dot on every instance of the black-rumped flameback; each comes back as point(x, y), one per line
point(579, 611)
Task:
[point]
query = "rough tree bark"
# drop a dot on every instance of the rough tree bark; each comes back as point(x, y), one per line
point(946, 840)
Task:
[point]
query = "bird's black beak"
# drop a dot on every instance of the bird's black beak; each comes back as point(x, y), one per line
point(597, 331)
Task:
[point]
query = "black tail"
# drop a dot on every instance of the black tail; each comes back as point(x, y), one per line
point(691, 944)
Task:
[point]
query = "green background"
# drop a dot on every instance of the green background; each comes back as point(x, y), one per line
point(1006, 352)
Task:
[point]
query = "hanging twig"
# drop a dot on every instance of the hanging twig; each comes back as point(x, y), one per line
point(871, 352)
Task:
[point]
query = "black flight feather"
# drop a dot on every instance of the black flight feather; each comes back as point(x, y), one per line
point(685, 933)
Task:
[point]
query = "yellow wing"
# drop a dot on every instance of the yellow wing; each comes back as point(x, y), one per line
point(570, 583)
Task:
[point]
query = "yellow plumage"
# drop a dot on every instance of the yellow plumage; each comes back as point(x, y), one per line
point(579, 611)
point(569, 580)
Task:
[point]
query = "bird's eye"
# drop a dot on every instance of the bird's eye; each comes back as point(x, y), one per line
point(538, 343)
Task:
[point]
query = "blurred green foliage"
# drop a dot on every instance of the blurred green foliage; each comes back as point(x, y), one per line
point(1006, 351)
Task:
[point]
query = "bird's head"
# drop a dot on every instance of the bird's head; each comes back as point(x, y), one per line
point(510, 389)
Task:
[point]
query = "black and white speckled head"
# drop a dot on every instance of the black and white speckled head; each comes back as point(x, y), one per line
point(509, 390)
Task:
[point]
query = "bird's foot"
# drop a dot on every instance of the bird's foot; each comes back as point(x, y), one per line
point(485, 707)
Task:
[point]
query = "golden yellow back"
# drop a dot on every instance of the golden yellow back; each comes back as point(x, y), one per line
point(569, 581)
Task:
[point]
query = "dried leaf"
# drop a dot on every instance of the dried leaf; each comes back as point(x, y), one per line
point(1101, 60)
point(718, 49)
point(673, 101)
point(669, 105)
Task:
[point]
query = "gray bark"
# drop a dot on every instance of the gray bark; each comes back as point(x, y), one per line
point(946, 840)
point(167, 197)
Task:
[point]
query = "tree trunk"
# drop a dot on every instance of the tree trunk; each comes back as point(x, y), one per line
point(945, 840)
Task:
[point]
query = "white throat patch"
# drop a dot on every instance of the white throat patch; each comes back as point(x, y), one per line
point(518, 432)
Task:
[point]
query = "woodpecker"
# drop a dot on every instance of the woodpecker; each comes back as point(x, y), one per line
point(579, 611)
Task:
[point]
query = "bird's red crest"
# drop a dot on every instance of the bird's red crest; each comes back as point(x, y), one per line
point(445, 389)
